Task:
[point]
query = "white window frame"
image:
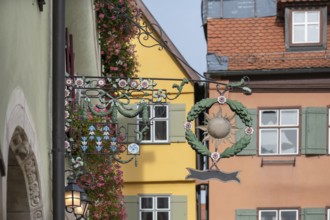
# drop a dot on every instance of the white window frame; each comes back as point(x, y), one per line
point(305, 23)
point(154, 209)
point(279, 127)
point(152, 119)
point(328, 214)
point(278, 212)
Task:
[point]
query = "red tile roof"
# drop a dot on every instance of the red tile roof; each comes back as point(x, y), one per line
point(259, 43)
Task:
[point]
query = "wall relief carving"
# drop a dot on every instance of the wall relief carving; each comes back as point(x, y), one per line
point(19, 144)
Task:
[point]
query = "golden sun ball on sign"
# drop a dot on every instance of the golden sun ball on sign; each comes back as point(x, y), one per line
point(218, 127)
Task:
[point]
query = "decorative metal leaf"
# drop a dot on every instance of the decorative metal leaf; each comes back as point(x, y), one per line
point(196, 144)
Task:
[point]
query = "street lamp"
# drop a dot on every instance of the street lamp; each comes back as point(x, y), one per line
point(75, 198)
point(81, 211)
point(72, 196)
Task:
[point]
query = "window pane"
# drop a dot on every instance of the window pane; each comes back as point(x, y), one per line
point(298, 34)
point(268, 141)
point(313, 33)
point(163, 216)
point(146, 203)
point(289, 117)
point(268, 215)
point(269, 117)
point(146, 134)
point(289, 141)
point(146, 216)
point(160, 112)
point(298, 17)
point(289, 215)
point(313, 16)
point(160, 130)
point(162, 203)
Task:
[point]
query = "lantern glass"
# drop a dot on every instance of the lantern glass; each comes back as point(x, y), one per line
point(72, 199)
point(82, 209)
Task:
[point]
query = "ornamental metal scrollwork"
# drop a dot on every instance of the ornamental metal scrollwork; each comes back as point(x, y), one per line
point(98, 103)
point(218, 128)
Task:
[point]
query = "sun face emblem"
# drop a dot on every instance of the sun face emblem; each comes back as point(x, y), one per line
point(218, 127)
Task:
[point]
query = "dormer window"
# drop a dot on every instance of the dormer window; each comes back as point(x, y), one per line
point(306, 29)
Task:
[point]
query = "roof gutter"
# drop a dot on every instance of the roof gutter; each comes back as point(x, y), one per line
point(215, 74)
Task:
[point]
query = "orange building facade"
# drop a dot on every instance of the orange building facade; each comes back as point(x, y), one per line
point(283, 48)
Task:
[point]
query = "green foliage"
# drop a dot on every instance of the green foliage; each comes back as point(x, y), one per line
point(196, 144)
point(199, 107)
point(237, 147)
point(104, 184)
point(241, 111)
point(116, 24)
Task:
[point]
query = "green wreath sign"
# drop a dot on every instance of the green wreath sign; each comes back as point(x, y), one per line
point(237, 108)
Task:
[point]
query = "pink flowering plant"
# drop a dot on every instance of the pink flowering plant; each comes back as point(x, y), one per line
point(116, 24)
point(104, 181)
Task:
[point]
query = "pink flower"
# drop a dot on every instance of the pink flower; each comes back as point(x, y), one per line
point(68, 82)
point(101, 82)
point(100, 185)
point(222, 100)
point(113, 68)
point(122, 83)
point(101, 15)
point(79, 82)
point(249, 130)
point(187, 125)
point(67, 145)
point(215, 156)
point(144, 84)
point(134, 84)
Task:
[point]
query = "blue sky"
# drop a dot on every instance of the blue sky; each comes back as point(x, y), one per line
point(181, 21)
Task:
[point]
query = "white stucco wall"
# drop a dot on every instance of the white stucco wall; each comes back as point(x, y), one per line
point(24, 83)
point(25, 77)
point(80, 21)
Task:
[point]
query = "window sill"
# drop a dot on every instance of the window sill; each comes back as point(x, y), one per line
point(279, 161)
point(155, 143)
point(305, 48)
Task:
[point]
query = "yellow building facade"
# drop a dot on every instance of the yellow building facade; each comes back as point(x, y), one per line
point(157, 188)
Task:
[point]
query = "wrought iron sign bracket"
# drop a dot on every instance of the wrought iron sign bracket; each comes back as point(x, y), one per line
point(41, 4)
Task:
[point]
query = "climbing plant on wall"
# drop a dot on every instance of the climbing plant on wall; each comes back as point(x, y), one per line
point(115, 21)
point(116, 28)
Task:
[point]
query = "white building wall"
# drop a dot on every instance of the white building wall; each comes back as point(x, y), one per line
point(25, 74)
point(80, 21)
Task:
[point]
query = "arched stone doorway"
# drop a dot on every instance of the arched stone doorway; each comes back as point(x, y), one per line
point(23, 181)
point(21, 151)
